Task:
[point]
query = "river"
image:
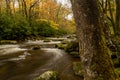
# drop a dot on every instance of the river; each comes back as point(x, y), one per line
point(21, 62)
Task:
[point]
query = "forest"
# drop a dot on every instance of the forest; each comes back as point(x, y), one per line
point(60, 39)
point(21, 19)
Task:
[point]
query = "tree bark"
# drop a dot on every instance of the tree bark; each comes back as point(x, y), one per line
point(117, 27)
point(94, 55)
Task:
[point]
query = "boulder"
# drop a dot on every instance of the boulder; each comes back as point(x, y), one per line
point(48, 75)
point(75, 54)
point(58, 39)
point(47, 40)
point(73, 46)
point(77, 68)
point(8, 42)
point(36, 47)
point(61, 46)
point(65, 42)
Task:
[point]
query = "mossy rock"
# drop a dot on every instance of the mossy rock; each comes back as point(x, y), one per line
point(71, 36)
point(36, 47)
point(47, 40)
point(78, 69)
point(48, 75)
point(65, 42)
point(60, 46)
point(73, 46)
point(58, 39)
point(75, 54)
point(8, 42)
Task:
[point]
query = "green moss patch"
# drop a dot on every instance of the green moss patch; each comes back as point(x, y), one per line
point(48, 75)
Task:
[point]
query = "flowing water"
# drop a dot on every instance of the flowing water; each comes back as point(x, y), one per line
point(20, 62)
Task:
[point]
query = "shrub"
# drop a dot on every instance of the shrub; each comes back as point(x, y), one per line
point(46, 28)
point(18, 28)
point(13, 27)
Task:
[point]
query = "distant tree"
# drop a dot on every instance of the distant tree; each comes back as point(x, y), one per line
point(8, 8)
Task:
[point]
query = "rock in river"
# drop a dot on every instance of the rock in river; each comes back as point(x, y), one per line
point(48, 75)
point(36, 47)
point(77, 68)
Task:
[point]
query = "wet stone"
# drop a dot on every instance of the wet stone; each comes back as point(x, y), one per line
point(48, 75)
point(36, 47)
point(77, 68)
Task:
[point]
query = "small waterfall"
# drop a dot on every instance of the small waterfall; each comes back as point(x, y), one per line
point(8, 49)
point(41, 42)
point(20, 57)
point(56, 53)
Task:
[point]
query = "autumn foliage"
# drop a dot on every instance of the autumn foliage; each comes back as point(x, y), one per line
point(34, 17)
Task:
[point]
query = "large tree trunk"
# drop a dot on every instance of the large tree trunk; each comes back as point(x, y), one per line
point(94, 55)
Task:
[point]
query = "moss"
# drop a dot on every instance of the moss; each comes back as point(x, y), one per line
point(116, 40)
point(55, 76)
point(102, 65)
point(78, 69)
point(117, 70)
point(75, 54)
point(116, 63)
point(65, 42)
point(61, 46)
point(8, 42)
point(73, 46)
point(58, 39)
point(48, 75)
point(47, 40)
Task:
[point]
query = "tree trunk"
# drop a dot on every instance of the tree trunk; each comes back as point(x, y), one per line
point(117, 28)
point(94, 55)
point(111, 18)
point(14, 11)
point(8, 9)
point(30, 10)
point(24, 7)
point(20, 6)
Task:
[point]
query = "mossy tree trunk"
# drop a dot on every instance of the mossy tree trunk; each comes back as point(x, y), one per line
point(94, 55)
point(117, 28)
